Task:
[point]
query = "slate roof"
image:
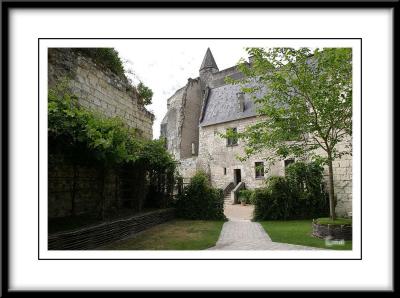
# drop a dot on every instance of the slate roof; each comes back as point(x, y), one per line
point(208, 61)
point(222, 105)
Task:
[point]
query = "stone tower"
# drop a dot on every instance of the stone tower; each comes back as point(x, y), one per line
point(207, 69)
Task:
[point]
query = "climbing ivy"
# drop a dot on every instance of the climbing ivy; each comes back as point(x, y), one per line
point(84, 136)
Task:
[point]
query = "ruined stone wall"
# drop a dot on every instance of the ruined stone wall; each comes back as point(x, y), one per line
point(191, 104)
point(182, 120)
point(99, 89)
point(173, 120)
point(187, 168)
point(214, 156)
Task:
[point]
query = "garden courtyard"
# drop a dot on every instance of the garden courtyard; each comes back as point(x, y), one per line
point(238, 233)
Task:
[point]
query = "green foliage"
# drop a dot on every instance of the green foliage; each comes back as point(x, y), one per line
point(305, 181)
point(308, 100)
point(245, 195)
point(299, 195)
point(106, 57)
point(200, 201)
point(107, 143)
point(274, 201)
point(306, 104)
point(145, 93)
point(107, 139)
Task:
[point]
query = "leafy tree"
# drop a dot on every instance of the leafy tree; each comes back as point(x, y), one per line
point(305, 104)
point(145, 93)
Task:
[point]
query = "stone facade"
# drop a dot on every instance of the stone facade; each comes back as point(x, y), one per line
point(99, 89)
point(223, 106)
point(221, 160)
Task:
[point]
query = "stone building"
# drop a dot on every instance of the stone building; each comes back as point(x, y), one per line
point(207, 106)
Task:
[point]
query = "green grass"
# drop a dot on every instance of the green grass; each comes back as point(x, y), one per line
point(298, 232)
point(337, 221)
point(173, 235)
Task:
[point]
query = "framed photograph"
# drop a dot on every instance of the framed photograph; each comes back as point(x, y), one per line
point(223, 148)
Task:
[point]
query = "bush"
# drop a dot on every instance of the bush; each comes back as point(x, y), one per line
point(307, 189)
point(200, 201)
point(244, 196)
point(273, 202)
point(106, 57)
point(299, 195)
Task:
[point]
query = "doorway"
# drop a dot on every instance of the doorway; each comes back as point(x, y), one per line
point(237, 176)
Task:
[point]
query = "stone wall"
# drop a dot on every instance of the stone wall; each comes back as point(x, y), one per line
point(343, 183)
point(187, 168)
point(215, 155)
point(191, 105)
point(99, 89)
point(182, 120)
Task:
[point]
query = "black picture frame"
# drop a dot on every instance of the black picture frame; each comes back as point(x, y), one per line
point(7, 6)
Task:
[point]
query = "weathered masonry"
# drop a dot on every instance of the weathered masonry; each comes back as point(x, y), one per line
point(207, 106)
point(99, 88)
point(74, 189)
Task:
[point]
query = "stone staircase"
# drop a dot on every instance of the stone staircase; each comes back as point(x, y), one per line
point(228, 199)
point(227, 193)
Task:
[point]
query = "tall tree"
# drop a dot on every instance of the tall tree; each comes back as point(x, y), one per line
point(304, 98)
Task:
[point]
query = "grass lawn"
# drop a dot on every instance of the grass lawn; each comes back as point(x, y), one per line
point(297, 232)
point(173, 235)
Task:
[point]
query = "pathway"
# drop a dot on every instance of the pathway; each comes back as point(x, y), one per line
point(240, 233)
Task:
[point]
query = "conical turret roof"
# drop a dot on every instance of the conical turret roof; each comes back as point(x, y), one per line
point(208, 61)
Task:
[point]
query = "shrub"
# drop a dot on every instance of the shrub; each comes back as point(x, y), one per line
point(200, 201)
point(299, 195)
point(307, 189)
point(273, 202)
point(145, 93)
point(106, 57)
point(244, 196)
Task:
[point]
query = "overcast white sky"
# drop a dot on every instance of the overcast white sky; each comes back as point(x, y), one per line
point(165, 65)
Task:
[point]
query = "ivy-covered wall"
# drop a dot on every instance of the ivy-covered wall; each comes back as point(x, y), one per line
point(98, 88)
point(102, 159)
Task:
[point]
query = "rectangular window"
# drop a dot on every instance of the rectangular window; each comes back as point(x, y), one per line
point(232, 141)
point(224, 171)
point(288, 162)
point(259, 166)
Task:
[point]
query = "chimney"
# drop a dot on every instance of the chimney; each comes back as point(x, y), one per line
point(240, 97)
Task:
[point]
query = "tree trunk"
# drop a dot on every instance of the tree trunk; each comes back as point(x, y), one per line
point(331, 189)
